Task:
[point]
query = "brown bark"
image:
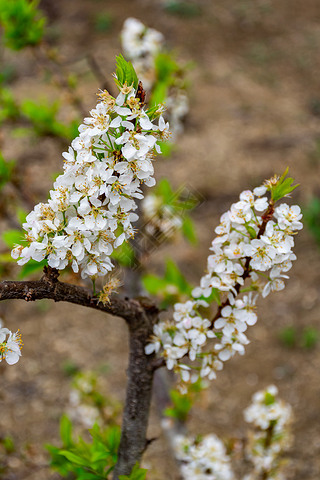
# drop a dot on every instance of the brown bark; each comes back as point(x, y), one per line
point(50, 287)
point(139, 389)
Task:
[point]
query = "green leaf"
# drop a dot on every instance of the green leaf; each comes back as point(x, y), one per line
point(182, 8)
point(172, 273)
point(136, 474)
point(197, 386)
point(21, 132)
point(110, 438)
point(124, 255)
point(21, 214)
point(153, 112)
point(174, 276)
point(98, 456)
point(7, 74)
point(43, 116)
point(6, 170)
point(86, 460)
point(120, 69)
point(31, 267)
point(113, 435)
point(288, 336)
point(283, 187)
point(167, 148)
point(66, 431)
point(159, 94)
point(311, 216)
point(310, 337)
point(12, 237)
point(6, 258)
point(213, 297)
point(182, 405)
point(153, 284)
point(72, 457)
point(8, 444)
point(165, 66)
point(170, 287)
point(22, 22)
point(103, 22)
point(189, 203)
point(125, 73)
point(188, 230)
point(269, 399)
point(251, 231)
point(9, 107)
point(89, 476)
point(164, 189)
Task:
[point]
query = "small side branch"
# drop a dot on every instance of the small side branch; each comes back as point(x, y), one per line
point(50, 287)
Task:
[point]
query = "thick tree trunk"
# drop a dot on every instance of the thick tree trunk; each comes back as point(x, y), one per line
point(139, 388)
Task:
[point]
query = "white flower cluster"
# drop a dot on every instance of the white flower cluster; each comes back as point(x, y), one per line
point(207, 459)
point(87, 405)
point(10, 345)
point(141, 45)
point(271, 418)
point(254, 239)
point(161, 219)
point(202, 460)
point(90, 209)
point(82, 410)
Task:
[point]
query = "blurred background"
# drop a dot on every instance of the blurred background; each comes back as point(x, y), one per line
point(254, 109)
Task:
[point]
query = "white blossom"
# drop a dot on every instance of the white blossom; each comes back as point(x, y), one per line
point(246, 249)
point(91, 206)
point(288, 217)
point(10, 345)
point(271, 419)
point(202, 460)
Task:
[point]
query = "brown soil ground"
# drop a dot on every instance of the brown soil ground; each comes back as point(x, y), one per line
point(255, 89)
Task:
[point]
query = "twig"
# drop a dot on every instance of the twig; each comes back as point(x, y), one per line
point(50, 287)
point(267, 443)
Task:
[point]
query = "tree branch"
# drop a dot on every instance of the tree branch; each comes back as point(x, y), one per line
point(139, 389)
point(50, 287)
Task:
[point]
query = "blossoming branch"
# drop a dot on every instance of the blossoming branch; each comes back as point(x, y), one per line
point(206, 458)
point(91, 207)
point(254, 245)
